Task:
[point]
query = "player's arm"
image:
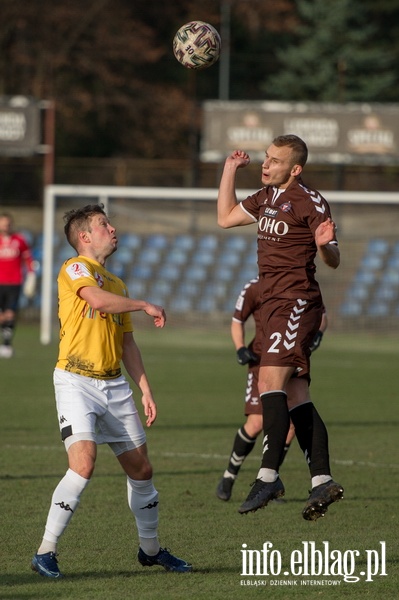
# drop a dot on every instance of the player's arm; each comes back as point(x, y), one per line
point(133, 362)
point(324, 322)
point(108, 302)
point(244, 354)
point(28, 260)
point(238, 334)
point(230, 213)
point(29, 286)
point(326, 243)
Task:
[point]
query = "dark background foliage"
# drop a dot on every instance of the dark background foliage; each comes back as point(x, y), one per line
point(119, 91)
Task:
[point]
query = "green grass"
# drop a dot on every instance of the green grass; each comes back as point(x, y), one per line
point(199, 389)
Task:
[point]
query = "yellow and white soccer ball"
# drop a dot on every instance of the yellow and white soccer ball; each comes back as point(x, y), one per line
point(197, 45)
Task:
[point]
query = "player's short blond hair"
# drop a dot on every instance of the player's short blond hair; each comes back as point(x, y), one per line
point(298, 146)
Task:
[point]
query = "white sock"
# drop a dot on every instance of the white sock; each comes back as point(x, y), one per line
point(143, 502)
point(47, 546)
point(149, 545)
point(319, 479)
point(229, 475)
point(267, 475)
point(64, 502)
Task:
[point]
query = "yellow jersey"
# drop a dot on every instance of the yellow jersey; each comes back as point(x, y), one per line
point(91, 342)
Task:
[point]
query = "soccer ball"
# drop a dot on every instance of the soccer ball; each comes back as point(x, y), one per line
point(196, 45)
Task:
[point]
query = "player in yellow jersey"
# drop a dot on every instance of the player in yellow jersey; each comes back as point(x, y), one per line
point(94, 400)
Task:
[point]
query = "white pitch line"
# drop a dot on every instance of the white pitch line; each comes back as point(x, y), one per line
point(344, 463)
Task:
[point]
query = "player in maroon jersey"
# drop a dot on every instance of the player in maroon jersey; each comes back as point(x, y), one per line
point(248, 304)
point(15, 262)
point(294, 223)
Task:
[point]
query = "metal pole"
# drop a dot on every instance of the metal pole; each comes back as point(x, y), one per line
point(48, 220)
point(224, 61)
point(49, 141)
point(47, 268)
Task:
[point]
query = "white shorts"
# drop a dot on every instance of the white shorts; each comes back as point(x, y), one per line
point(101, 410)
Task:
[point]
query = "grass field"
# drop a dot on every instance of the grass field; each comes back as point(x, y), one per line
point(199, 389)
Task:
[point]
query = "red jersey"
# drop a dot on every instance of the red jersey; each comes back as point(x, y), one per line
point(287, 221)
point(248, 303)
point(14, 255)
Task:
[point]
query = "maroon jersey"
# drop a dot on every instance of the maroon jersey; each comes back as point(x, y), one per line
point(287, 221)
point(248, 303)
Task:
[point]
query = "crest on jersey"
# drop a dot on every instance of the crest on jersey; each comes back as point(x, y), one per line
point(285, 207)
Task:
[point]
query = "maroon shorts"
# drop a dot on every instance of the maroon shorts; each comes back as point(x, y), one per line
point(253, 404)
point(289, 327)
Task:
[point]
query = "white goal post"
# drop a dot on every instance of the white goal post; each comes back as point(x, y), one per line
point(104, 194)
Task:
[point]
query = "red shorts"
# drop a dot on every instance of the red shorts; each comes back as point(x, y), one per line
point(289, 327)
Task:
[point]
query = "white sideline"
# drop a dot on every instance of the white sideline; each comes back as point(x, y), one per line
point(344, 463)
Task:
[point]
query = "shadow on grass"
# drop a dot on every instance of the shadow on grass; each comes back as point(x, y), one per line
point(159, 472)
point(36, 579)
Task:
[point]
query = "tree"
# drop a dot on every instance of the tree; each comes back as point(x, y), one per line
point(333, 57)
point(109, 67)
point(119, 91)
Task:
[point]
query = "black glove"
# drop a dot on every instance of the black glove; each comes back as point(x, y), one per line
point(245, 355)
point(316, 341)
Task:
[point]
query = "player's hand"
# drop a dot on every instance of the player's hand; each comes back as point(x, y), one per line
point(325, 233)
point(29, 287)
point(238, 158)
point(245, 355)
point(158, 313)
point(150, 408)
point(316, 341)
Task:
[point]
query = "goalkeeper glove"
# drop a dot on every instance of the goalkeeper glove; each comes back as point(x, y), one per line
point(245, 355)
point(29, 287)
point(316, 341)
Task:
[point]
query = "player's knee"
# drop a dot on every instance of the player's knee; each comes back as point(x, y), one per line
point(145, 470)
point(83, 467)
point(137, 469)
point(85, 471)
point(8, 315)
point(254, 425)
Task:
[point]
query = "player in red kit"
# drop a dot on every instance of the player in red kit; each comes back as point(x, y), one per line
point(294, 224)
point(16, 274)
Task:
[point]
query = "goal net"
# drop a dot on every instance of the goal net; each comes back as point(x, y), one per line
point(171, 252)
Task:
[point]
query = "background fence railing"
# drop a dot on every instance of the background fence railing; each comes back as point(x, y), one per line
point(172, 252)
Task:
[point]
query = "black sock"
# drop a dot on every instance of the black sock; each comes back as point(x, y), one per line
point(284, 454)
point(276, 423)
point(312, 437)
point(243, 445)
